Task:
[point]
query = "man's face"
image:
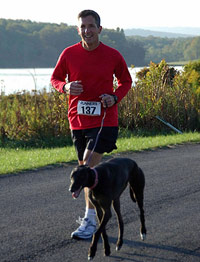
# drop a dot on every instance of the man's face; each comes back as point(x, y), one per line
point(89, 32)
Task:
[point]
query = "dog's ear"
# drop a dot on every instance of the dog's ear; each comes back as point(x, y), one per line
point(78, 168)
point(88, 168)
point(81, 171)
point(84, 167)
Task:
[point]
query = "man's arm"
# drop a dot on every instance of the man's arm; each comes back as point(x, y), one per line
point(124, 80)
point(58, 78)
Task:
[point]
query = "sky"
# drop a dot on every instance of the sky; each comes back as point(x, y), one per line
point(114, 13)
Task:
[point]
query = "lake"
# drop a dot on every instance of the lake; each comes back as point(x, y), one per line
point(17, 80)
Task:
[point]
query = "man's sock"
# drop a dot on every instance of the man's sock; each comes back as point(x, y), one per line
point(91, 214)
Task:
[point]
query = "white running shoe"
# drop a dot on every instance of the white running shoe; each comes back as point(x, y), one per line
point(85, 230)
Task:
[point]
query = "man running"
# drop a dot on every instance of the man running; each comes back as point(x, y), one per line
point(85, 72)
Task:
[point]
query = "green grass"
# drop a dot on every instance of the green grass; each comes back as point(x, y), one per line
point(151, 142)
point(181, 63)
point(177, 63)
point(17, 160)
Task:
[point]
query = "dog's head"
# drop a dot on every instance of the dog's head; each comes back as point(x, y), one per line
point(79, 179)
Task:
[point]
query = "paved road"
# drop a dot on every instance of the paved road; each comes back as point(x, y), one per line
point(37, 213)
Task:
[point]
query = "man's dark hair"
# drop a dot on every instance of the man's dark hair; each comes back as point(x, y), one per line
point(88, 12)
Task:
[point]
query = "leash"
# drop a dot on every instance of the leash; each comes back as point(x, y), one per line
point(96, 179)
point(97, 137)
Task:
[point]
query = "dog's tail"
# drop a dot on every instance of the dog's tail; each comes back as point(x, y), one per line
point(137, 183)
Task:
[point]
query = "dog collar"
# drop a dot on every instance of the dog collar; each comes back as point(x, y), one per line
point(96, 179)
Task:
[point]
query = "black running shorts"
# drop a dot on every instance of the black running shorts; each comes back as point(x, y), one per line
point(86, 139)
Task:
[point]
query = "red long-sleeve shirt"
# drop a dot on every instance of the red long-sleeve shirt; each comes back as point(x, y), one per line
point(95, 69)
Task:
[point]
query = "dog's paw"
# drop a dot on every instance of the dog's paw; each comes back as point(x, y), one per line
point(143, 236)
point(119, 245)
point(90, 258)
point(118, 248)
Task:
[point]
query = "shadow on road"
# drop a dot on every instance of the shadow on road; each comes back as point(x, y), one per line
point(127, 256)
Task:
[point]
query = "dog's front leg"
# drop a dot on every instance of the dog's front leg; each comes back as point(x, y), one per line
point(101, 230)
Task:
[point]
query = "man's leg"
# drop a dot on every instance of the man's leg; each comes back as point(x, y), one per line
point(94, 159)
point(88, 223)
point(84, 142)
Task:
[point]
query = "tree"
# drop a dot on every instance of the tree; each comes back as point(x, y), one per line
point(192, 51)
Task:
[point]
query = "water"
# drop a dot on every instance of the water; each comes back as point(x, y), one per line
point(17, 80)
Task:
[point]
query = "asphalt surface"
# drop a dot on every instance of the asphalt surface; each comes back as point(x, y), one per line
point(38, 214)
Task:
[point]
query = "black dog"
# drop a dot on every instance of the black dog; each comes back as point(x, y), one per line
point(107, 181)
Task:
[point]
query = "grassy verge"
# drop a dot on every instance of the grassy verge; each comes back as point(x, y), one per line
point(181, 63)
point(152, 142)
point(16, 160)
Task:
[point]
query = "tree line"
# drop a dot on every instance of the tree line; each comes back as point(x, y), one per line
point(24, 43)
point(30, 44)
point(170, 49)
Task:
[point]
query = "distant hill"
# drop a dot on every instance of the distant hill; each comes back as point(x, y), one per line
point(191, 31)
point(27, 44)
point(147, 32)
point(24, 43)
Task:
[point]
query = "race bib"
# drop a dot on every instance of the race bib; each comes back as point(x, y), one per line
point(89, 108)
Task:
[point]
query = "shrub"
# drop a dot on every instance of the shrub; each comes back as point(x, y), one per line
point(165, 92)
point(159, 91)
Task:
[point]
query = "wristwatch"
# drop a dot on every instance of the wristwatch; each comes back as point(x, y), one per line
point(115, 98)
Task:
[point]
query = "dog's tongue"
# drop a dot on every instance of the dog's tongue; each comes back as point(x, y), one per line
point(76, 193)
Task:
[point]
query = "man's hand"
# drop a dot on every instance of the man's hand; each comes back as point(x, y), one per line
point(107, 100)
point(73, 88)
